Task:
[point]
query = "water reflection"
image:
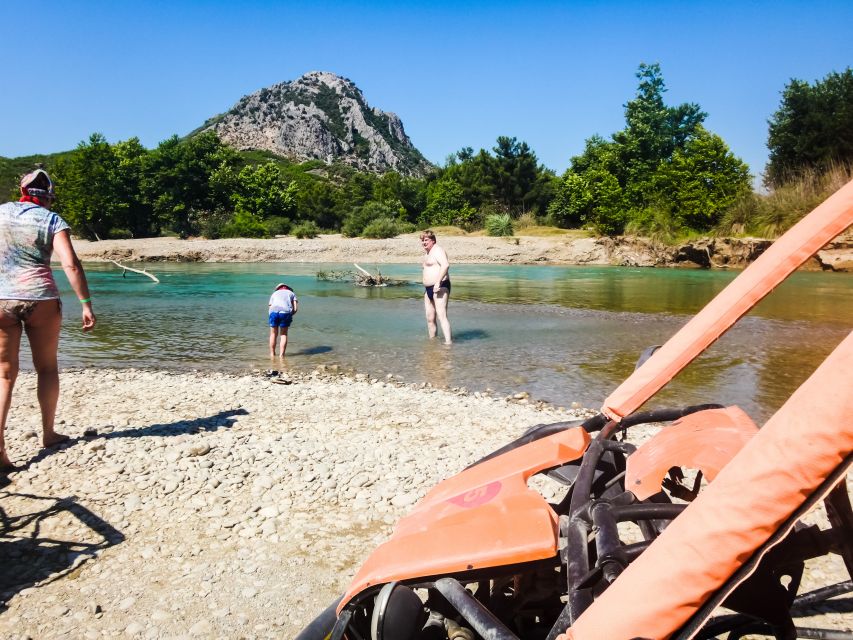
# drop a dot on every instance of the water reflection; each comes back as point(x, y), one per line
point(437, 363)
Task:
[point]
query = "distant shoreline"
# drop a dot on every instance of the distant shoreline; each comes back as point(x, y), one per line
point(728, 253)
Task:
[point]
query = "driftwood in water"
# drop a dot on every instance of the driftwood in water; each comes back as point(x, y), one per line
point(141, 271)
point(362, 278)
point(366, 279)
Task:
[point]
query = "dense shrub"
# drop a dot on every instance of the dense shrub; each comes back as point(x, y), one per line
point(212, 225)
point(305, 229)
point(381, 228)
point(245, 225)
point(278, 225)
point(499, 225)
point(359, 217)
point(526, 221)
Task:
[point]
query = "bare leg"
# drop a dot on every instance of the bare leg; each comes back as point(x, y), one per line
point(442, 299)
point(283, 346)
point(10, 346)
point(429, 308)
point(273, 340)
point(42, 329)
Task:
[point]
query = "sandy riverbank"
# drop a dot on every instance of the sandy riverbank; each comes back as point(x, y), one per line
point(218, 506)
point(570, 250)
point(325, 248)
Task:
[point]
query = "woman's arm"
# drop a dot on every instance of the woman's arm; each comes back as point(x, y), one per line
point(76, 276)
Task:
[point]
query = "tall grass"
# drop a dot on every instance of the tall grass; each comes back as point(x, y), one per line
point(772, 214)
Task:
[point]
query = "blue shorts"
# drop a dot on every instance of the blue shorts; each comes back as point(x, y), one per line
point(280, 318)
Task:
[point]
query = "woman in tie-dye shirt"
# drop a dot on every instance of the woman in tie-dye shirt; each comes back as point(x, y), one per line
point(29, 298)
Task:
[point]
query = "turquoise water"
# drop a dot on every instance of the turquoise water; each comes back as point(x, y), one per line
point(562, 333)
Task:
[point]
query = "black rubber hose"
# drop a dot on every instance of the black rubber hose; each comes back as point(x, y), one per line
point(322, 625)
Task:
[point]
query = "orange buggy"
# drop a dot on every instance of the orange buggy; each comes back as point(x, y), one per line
point(484, 556)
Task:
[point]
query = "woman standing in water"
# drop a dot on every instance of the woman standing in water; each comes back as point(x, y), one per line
point(436, 279)
point(29, 298)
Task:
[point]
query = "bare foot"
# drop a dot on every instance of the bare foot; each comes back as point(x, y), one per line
point(54, 439)
point(6, 464)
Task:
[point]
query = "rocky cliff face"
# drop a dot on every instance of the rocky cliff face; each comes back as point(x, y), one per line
point(320, 116)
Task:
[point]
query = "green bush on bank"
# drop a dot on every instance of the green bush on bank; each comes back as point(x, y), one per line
point(305, 230)
point(245, 225)
point(278, 225)
point(499, 225)
point(386, 228)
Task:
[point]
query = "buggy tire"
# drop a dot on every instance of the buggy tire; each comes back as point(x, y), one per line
point(321, 627)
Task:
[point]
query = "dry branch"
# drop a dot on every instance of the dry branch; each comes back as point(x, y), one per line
point(142, 271)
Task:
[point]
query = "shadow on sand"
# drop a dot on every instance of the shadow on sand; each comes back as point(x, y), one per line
point(35, 546)
point(221, 420)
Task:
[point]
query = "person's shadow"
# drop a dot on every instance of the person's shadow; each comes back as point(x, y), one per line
point(221, 420)
point(311, 351)
point(28, 556)
point(470, 334)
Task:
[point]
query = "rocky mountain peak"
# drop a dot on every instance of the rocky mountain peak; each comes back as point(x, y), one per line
point(320, 116)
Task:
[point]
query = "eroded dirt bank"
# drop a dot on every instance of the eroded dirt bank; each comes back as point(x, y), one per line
point(622, 251)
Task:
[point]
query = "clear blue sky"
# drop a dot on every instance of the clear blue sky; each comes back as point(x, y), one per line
point(457, 73)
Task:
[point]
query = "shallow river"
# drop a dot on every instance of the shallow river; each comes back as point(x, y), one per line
point(564, 334)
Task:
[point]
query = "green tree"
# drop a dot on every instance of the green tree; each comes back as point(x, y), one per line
point(812, 128)
point(318, 202)
point(93, 199)
point(446, 204)
point(361, 217)
point(406, 193)
point(516, 174)
point(475, 173)
point(244, 225)
point(572, 202)
point(701, 182)
point(263, 191)
point(138, 216)
point(662, 161)
point(190, 180)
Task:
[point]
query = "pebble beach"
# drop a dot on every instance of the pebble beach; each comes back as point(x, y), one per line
point(220, 506)
point(204, 505)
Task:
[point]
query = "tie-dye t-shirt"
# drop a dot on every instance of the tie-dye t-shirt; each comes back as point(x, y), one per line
point(26, 244)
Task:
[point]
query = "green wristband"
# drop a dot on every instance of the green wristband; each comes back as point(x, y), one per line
point(85, 300)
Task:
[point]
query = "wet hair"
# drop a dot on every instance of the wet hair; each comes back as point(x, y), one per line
point(428, 233)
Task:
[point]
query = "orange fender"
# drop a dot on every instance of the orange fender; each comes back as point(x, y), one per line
point(705, 440)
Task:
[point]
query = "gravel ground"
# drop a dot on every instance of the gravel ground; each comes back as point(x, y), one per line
point(218, 506)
